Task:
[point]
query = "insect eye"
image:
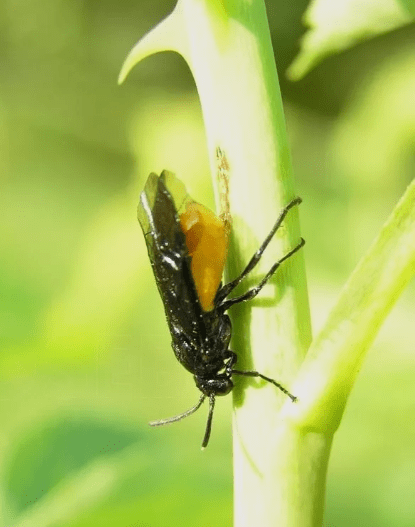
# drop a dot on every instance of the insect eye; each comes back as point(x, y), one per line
point(221, 385)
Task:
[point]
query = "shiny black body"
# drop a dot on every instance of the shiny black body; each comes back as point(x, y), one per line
point(200, 339)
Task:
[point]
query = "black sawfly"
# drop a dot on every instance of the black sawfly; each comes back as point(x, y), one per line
point(187, 246)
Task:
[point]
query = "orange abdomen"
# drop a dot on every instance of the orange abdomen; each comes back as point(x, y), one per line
point(207, 239)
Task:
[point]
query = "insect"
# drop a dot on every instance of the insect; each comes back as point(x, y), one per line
point(187, 245)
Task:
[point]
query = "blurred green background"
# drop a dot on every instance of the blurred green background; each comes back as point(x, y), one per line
point(85, 357)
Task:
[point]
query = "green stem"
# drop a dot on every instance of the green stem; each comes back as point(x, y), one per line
point(281, 449)
point(336, 354)
point(228, 48)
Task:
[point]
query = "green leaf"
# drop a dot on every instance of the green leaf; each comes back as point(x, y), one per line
point(339, 25)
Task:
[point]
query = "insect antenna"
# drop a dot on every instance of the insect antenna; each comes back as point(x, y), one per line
point(179, 417)
point(268, 379)
point(209, 421)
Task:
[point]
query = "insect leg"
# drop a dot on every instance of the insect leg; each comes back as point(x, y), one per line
point(252, 293)
point(233, 357)
point(180, 416)
point(209, 421)
point(227, 288)
point(268, 379)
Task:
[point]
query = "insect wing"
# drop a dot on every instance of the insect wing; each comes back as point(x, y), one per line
point(166, 245)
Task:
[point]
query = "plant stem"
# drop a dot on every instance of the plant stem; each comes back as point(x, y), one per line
point(228, 48)
point(281, 449)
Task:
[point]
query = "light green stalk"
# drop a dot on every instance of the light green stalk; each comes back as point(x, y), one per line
point(281, 449)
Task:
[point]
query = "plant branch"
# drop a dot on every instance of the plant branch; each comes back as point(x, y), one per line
point(335, 356)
